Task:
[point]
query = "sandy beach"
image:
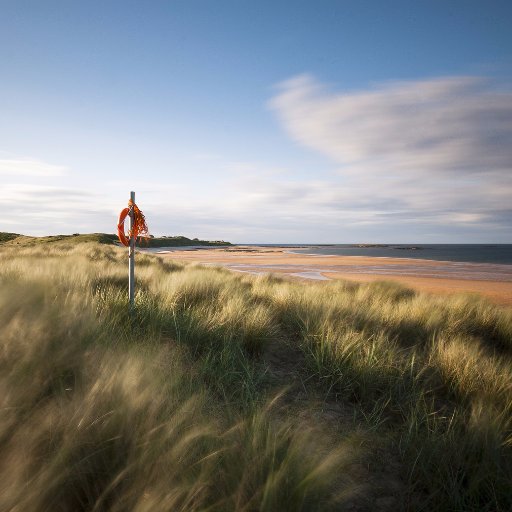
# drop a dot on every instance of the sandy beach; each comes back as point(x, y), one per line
point(491, 280)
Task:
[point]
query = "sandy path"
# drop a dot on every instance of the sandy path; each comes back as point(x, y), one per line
point(493, 281)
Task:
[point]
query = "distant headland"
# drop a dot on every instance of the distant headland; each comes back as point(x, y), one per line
point(107, 238)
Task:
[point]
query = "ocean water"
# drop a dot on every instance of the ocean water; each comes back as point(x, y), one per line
point(471, 253)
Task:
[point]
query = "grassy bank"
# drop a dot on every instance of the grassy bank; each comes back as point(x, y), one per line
point(107, 239)
point(230, 392)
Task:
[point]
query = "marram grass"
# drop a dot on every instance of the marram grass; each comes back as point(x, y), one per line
point(206, 399)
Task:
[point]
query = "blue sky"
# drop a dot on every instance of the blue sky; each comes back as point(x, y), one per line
point(259, 121)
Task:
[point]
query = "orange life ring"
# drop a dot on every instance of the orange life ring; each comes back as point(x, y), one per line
point(120, 227)
point(139, 228)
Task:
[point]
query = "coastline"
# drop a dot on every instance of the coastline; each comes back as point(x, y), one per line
point(493, 281)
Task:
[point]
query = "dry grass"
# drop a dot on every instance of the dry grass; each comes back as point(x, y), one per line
point(173, 409)
point(433, 373)
point(102, 413)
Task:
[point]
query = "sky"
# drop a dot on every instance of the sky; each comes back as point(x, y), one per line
point(259, 121)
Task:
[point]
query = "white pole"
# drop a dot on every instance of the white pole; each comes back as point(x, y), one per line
point(131, 257)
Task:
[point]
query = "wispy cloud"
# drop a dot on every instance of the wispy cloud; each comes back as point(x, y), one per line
point(431, 156)
point(42, 210)
point(412, 162)
point(29, 167)
point(444, 125)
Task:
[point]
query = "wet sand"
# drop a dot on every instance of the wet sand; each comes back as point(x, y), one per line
point(491, 280)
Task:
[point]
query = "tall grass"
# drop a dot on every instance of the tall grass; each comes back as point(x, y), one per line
point(101, 411)
point(174, 408)
point(434, 373)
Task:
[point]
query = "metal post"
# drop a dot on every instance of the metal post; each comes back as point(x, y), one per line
point(131, 258)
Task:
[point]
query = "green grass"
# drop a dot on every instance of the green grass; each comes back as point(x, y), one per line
point(6, 237)
point(104, 238)
point(23, 240)
point(228, 392)
point(179, 241)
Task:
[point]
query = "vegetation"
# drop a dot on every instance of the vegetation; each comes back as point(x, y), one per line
point(6, 237)
point(228, 392)
point(179, 241)
point(106, 238)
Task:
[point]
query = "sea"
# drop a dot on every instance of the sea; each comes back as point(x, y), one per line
point(470, 253)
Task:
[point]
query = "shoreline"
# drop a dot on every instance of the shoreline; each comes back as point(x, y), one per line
point(261, 249)
point(493, 281)
point(394, 257)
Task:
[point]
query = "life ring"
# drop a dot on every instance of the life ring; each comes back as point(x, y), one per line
point(120, 227)
point(139, 229)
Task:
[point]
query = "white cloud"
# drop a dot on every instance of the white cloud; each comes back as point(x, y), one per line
point(444, 125)
point(29, 167)
point(426, 161)
point(430, 155)
point(43, 210)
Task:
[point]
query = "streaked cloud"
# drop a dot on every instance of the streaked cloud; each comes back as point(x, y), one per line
point(444, 125)
point(411, 162)
point(29, 167)
point(421, 158)
point(46, 209)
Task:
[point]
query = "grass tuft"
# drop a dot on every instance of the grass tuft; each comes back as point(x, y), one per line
point(174, 408)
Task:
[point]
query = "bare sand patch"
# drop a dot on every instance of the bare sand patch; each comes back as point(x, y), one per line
point(445, 277)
